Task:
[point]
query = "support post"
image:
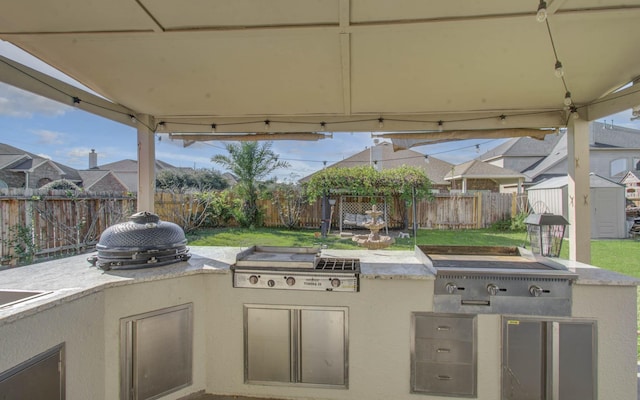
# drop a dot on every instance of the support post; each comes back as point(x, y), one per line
point(325, 211)
point(579, 202)
point(146, 163)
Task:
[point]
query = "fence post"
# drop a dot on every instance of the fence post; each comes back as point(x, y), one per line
point(479, 208)
point(514, 205)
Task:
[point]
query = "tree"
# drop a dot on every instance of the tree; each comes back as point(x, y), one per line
point(250, 162)
point(289, 200)
point(189, 180)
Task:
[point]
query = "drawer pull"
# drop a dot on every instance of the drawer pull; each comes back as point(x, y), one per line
point(444, 328)
point(475, 302)
point(444, 377)
point(444, 350)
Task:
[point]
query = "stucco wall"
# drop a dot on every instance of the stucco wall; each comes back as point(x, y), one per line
point(79, 325)
point(126, 301)
point(379, 337)
point(616, 313)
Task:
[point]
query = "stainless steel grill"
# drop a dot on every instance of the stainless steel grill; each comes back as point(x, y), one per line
point(338, 264)
point(295, 268)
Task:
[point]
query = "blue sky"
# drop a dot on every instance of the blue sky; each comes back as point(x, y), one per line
point(67, 135)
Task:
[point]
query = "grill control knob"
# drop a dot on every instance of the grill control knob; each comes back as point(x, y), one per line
point(253, 279)
point(271, 283)
point(492, 289)
point(451, 288)
point(291, 281)
point(335, 282)
point(535, 290)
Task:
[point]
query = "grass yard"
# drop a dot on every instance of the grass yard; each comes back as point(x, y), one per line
point(616, 255)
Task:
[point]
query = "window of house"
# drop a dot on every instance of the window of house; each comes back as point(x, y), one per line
point(3, 184)
point(43, 182)
point(618, 166)
point(636, 163)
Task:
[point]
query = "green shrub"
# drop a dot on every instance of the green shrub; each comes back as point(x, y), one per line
point(511, 224)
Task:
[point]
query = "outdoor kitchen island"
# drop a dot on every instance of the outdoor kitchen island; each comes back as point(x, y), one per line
point(186, 328)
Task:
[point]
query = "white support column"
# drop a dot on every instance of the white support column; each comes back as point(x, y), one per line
point(464, 185)
point(579, 202)
point(146, 164)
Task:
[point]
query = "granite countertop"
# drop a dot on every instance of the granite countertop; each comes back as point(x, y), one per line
point(385, 264)
point(591, 275)
point(74, 277)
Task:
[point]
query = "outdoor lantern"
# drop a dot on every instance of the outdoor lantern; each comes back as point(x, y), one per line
point(546, 232)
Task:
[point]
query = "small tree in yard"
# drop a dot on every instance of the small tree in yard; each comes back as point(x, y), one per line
point(289, 200)
point(251, 162)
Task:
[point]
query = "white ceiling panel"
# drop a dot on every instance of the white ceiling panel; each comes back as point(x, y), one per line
point(336, 60)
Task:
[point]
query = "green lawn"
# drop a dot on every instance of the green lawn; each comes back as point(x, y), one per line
point(617, 255)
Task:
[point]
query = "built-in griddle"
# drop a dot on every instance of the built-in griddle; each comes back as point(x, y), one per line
point(294, 268)
point(497, 280)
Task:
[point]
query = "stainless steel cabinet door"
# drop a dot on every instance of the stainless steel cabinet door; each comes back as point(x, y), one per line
point(322, 347)
point(40, 378)
point(548, 359)
point(523, 360)
point(268, 344)
point(157, 352)
point(576, 357)
point(298, 345)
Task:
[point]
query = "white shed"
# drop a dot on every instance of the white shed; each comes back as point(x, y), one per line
point(608, 218)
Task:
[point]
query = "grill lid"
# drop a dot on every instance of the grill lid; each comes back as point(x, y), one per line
point(143, 241)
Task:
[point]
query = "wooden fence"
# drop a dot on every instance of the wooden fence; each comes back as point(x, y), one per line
point(38, 225)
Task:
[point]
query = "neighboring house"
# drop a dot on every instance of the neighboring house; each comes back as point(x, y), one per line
point(127, 171)
point(21, 169)
point(631, 181)
point(520, 154)
point(381, 156)
point(614, 150)
point(475, 175)
point(101, 181)
point(608, 219)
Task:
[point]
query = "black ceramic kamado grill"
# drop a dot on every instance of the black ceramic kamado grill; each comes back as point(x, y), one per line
point(294, 268)
point(143, 241)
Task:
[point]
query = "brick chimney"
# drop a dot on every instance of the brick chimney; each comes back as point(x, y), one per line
point(93, 159)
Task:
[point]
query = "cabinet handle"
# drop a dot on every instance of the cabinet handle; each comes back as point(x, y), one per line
point(443, 350)
point(444, 328)
point(444, 377)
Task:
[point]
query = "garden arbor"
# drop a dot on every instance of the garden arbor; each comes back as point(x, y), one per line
point(408, 183)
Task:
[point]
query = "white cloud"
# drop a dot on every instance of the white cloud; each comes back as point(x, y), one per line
point(18, 103)
point(49, 137)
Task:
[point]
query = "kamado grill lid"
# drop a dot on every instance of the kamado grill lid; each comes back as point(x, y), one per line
point(143, 241)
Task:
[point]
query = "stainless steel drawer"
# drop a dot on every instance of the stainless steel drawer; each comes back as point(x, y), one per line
point(443, 354)
point(443, 378)
point(444, 327)
point(443, 351)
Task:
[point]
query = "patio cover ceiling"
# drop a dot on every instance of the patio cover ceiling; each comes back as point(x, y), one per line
point(354, 65)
